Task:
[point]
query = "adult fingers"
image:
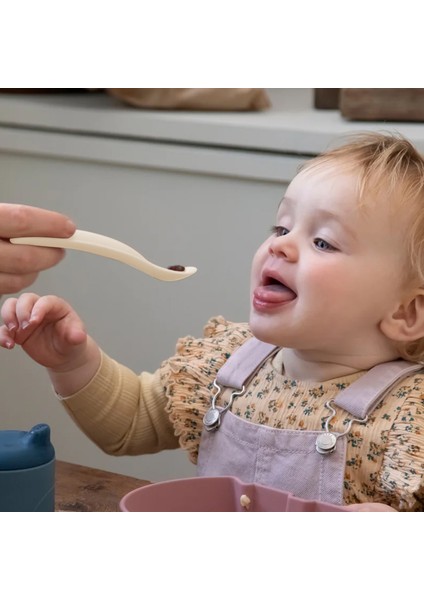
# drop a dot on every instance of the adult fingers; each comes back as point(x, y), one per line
point(21, 259)
point(20, 265)
point(19, 220)
point(11, 284)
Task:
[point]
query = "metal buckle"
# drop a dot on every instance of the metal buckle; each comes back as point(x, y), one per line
point(212, 418)
point(326, 442)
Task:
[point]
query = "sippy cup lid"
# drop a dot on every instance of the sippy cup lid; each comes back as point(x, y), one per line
point(25, 449)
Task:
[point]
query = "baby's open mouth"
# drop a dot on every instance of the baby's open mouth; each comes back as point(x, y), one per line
point(274, 291)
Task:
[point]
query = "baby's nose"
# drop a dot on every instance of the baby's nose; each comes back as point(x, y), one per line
point(284, 246)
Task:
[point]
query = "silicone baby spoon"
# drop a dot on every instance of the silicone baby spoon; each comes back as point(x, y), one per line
point(110, 248)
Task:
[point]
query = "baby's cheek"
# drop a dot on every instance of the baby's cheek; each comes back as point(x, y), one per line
point(331, 284)
point(260, 254)
point(256, 267)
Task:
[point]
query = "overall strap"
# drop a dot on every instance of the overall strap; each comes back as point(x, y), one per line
point(363, 395)
point(359, 399)
point(234, 374)
point(244, 363)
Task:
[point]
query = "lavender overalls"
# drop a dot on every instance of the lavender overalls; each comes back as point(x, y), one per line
point(309, 464)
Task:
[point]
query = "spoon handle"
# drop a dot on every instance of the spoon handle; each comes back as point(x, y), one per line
point(102, 245)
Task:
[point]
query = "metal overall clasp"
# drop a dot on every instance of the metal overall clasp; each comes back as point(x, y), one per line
point(212, 419)
point(326, 442)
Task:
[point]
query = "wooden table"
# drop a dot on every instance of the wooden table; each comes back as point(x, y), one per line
point(83, 489)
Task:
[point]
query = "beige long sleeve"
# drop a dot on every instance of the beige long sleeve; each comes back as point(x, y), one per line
point(122, 412)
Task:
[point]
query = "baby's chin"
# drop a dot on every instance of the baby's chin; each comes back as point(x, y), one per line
point(261, 331)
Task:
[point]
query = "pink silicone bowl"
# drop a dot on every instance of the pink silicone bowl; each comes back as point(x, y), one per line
point(216, 494)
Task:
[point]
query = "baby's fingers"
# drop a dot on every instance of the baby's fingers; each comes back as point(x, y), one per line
point(8, 330)
point(23, 315)
point(7, 337)
point(50, 309)
point(16, 315)
point(9, 311)
point(24, 308)
point(54, 310)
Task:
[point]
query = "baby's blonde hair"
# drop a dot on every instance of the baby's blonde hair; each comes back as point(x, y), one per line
point(390, 168)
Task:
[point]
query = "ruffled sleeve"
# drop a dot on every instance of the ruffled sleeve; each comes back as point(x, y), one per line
point(188, 377)
point(402, 477)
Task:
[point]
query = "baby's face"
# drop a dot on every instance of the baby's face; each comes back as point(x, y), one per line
point(331, 270)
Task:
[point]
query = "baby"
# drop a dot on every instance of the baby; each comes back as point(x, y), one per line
point(337, 304)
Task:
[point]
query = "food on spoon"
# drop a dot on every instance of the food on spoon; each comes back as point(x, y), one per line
point(176, 268)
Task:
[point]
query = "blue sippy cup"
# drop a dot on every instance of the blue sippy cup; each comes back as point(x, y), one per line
point(27, 465)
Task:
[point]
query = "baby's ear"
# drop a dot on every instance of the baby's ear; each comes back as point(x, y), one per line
point(406, 323)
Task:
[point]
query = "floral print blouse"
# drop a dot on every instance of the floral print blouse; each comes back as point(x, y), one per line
point(385, 455)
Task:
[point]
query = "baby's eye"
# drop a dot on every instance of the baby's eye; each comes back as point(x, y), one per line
point(323, 245)
point(278, 230)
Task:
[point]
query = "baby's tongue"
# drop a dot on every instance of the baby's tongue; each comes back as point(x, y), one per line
point(277, 292)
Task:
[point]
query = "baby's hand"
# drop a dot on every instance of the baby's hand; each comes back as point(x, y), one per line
point(47, 328)
point(370, 507)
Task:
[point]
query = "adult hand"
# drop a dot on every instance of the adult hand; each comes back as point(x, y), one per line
point(20, 265)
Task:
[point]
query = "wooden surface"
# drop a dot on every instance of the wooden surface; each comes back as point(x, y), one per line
point(83, 489)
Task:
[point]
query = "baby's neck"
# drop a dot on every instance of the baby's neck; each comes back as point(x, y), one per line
point(305, 367)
